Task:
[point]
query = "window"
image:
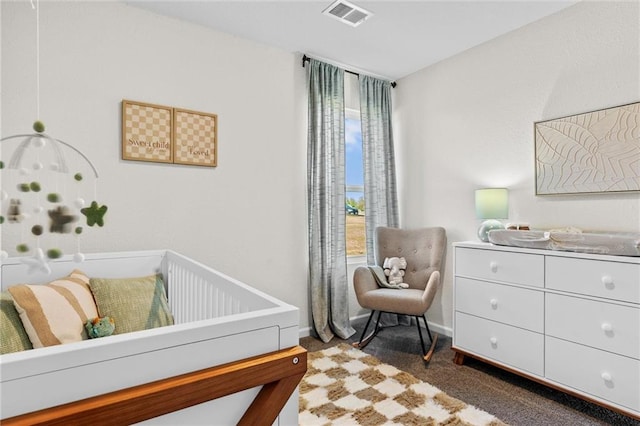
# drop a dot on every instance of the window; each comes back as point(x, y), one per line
point(354, 176)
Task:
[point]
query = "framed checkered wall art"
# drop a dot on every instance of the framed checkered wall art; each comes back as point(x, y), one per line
point(195, 138)
point(147, 132)
point(165, 134)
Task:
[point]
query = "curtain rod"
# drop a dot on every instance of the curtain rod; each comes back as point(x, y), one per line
point(306, 59)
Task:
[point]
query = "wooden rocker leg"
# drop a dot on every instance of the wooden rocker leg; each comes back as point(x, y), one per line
point(434, 339)
point(364, 341)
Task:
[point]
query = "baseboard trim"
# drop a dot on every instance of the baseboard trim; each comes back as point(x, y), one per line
point(304, 332)
point(437, 328)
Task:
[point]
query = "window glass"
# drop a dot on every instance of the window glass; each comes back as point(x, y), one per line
point(354, 175)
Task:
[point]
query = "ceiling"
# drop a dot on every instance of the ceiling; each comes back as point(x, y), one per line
point(400, 38)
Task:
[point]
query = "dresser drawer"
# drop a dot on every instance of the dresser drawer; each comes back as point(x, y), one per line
point(512, 346)
point(607, 326)
point(612, 280)
point(608, 376)
point(494, 265)
point(516, 306)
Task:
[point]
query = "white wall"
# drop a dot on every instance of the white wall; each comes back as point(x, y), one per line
point(462, 124)
point(247, 217)
point(467, 123)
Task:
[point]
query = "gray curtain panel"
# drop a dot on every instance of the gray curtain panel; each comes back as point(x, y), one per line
point(380, 191)
point(326, 202)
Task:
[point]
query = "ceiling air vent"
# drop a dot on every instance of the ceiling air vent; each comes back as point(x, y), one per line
point(347, 12)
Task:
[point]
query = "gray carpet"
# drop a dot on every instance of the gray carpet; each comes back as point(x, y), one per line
point(511, 398)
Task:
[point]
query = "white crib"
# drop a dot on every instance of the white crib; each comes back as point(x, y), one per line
point(227, 337)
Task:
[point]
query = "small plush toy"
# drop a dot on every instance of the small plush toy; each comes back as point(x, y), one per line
point(394, 270)
point(100, 327)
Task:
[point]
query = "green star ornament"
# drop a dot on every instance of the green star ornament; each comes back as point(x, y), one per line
point(94, 214)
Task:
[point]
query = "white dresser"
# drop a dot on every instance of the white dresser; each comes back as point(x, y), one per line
point(568, 320)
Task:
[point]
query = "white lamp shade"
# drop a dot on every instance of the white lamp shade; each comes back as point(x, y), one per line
point(492, 203)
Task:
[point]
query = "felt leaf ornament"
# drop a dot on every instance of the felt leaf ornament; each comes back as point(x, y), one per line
point(95, 214)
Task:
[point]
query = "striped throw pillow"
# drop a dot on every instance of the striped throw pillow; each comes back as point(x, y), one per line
point(55, 313)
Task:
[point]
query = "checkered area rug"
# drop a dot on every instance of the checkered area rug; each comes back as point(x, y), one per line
point(345, 386)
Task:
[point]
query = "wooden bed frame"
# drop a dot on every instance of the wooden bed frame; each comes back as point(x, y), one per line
point(278, 372)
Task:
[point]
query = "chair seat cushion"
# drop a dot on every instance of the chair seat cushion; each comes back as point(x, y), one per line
point(407, 301)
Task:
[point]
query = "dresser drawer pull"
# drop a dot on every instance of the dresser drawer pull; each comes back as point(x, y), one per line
point(493, 266)
point(494, 303)
point(606, 327)
point(607, 281)
point(606, 377)
point(494, 342)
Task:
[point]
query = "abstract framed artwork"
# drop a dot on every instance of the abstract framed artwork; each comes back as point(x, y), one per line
point(593, 152)
point(147, 132)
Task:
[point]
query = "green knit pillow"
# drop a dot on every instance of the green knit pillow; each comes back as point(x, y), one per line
point(134, 303)
point(13, 337)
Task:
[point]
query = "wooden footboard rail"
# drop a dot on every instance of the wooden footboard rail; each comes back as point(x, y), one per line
point(278, 372)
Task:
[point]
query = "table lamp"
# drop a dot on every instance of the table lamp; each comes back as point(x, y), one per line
point(491, 204)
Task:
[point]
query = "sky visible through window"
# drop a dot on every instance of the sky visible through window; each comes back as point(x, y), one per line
point(353, 155)
point(354, 176)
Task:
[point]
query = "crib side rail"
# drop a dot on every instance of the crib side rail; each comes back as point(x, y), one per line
point(96, 265)
point(197, 292)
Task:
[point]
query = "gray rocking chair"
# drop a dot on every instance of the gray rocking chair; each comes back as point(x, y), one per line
point(424, 250)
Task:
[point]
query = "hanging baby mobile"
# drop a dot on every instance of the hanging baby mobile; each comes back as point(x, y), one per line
point(45, 199)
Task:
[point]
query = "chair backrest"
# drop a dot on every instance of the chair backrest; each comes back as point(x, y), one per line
point(423, 249)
